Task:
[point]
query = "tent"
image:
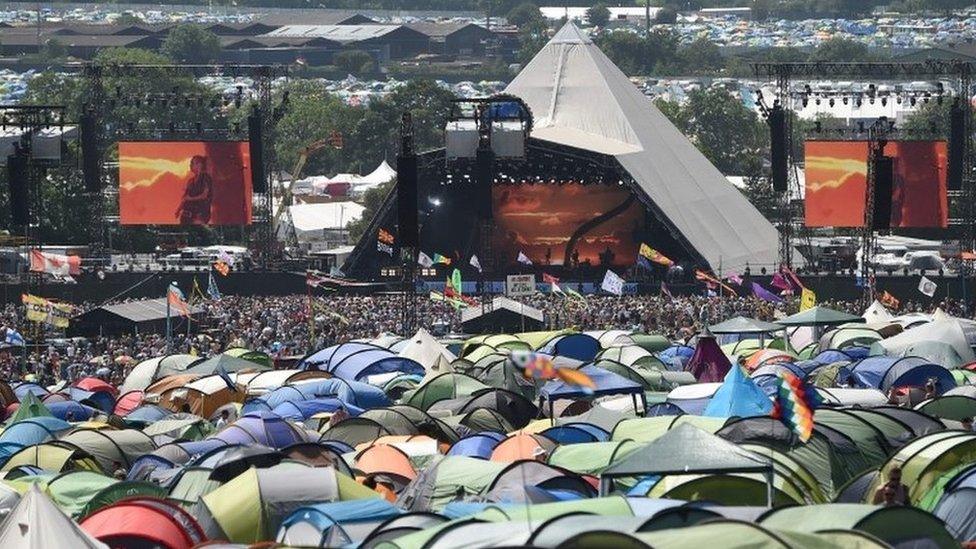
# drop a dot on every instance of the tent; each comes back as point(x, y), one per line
point(942, 341)
point(149, 371)
point(738, 397)
point(426, 351)
point(885, 372)
point(709, 363)
point(580, 99)
point(687, 450)
point(607, 383)
point(819, 316)
point(139, 522)
point(36, 523)
point(228, 363)
point(743, 325)
point(251, 507)
point(139, 316)
point(335, 524)
point(503, 316)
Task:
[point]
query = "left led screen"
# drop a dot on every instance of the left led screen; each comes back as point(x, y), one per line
point(184, 183)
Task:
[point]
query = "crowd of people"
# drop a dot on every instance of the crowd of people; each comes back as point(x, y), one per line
point(294, 325)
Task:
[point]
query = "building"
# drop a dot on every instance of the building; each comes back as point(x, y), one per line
point(388, 41)
point(460, 39)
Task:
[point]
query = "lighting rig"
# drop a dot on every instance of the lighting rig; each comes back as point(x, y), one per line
point(952, 80)
point(178, 114)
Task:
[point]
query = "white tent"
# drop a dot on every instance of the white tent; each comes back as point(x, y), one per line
point(37, 523)
point(383, 173)
point(877, 314)
point(434, 357)
point(310, 220)
point(941, 341)
point(579, 98)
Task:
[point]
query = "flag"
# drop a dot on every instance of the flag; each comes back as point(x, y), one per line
point(780, 282)
point(226, 258)
point(764, 294)
point(807, 299)
point(791, 276)
point(44, 310)
point(177, 300)
point(523, 259)
point(385, 241)
point(612, 283)
point(927, 287)
point(889, 300)
point(794, 403)
point(653, 255)
point(710, 280)
point(734, 279)
point(196, 292)
point(665, 290)
point(55, 264)
point(539, 366)
point(441, 260)
point(222, 267)
point(335, 271)
point(13, 338)
point(553, 283)
point(575, 295)
point(456, 282)
point(212, 290)
point(475, 263)
point(436, 296)
point(424, 260)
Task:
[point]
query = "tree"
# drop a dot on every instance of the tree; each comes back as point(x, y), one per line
point(372, 202)
point(191, 44)
point(930, 118)
point(128, 19)
point(524, 15)
point(354, 62)
point(638, 55)
point(842, 50)
point(53, 49)
point(598, 15)
point(700, 56)
point(666, 16)
point(759, 192)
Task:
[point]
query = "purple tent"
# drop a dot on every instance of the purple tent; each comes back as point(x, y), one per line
point(262, 427)
point(709, 364)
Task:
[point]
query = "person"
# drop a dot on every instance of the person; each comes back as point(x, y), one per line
point(892, 492)
point(967, 424)
point(222, 420)
point(194, 208)
point(930, 391)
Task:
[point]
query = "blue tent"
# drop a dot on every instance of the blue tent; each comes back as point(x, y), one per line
point(576, 346)
point(322, 360)
point(607, 383)
point(885, 372)
point(830, 356)
point(479, 445)
point(355, 361)
point(576, 433)
point(359, 394)
point(78, 411)
point(675, 357)
point(738, 396)
point(147, 413)
point(300, 410)
point(335, 524)
point(663, 409)
point(35, 430)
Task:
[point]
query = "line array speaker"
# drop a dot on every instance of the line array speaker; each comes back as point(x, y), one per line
point(883, 187)
point(256, 147)
point(957, 147)
point(777, 148)
point(17, 181)
point(407, 201)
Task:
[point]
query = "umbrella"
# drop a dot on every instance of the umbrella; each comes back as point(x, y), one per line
point(819, 316)
point(743, 325)
point(237, 460)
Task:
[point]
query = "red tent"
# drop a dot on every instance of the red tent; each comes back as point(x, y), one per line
point(128, 402)
point(144, 521)
point(709, 364)
point(96, 385)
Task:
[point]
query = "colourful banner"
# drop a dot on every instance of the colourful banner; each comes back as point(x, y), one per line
point(47, 311)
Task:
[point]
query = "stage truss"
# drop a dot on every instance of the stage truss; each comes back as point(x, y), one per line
point(104, 105)
point(959, 72)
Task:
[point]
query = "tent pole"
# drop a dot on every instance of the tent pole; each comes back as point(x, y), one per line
point(769, 488)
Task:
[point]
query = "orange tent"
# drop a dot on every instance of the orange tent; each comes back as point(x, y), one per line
point(523, 446)
point(383, 458)
point(767, 356)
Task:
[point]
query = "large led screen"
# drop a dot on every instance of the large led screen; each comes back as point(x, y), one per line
point(567, 224)
point(184, 183)
point(836, 180)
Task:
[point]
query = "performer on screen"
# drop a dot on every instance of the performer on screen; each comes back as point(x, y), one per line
point(195, 206)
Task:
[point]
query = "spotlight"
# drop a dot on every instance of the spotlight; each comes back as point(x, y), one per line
point(831, 102)
point(884, 101)
point(846, 100)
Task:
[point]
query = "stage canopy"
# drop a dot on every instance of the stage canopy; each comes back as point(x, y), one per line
point(579, 98)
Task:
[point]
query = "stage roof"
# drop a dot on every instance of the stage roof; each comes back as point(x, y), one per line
point(579, 98)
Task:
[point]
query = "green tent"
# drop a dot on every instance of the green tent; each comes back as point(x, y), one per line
point(647, 429)
point(80, 493)
point(743, 325)
point(230, 364)
point(927, 458)
point(899, 526)
point(29, 407)
point(591, 458)
point(257, 357)
point(250, 507)
point(742, 535)
point(447, 477)
point(443, 387)
point(954, 407)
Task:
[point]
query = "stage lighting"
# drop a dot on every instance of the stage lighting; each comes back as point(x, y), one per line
point(805, 102)
point(831, 102)
point(858, 102)
point(846, 100)
point(818, 102)
point(884, 101)
point(912, 101)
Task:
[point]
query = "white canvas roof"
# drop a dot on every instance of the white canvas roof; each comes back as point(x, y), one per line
point(327, 215)
point(579, 98)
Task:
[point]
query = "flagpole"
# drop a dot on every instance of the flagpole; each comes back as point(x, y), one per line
point(169, 325)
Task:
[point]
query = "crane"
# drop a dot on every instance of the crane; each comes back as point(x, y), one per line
point(286, 195)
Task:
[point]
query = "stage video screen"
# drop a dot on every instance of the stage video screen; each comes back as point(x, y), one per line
point(570, 224)
point(836, 182)
point(184, 183)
